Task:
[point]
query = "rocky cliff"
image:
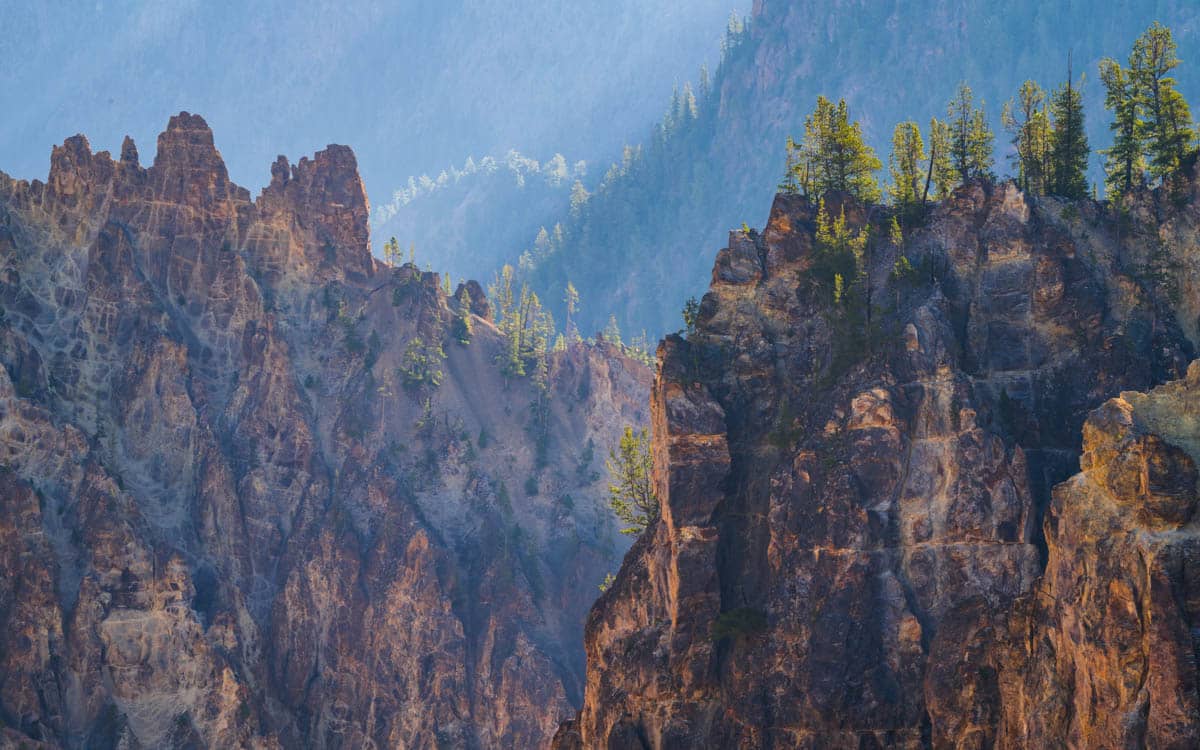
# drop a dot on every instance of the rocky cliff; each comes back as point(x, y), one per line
point(870, 535)
point(255, 491)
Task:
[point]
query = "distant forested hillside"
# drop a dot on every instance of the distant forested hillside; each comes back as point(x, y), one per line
point(644, 240)
point(471, 218)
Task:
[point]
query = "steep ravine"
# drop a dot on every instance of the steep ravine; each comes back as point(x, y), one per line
point(874, 539)
point(235, 508)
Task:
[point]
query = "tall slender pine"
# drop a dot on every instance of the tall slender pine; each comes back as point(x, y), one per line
point(1168, 117)
point(1124, 162)
point(1068, 143)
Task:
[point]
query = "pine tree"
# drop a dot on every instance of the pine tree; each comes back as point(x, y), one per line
point(835, 156)
point(1069, 143)
point(733, 35)
point(463, 326)
point(691, 315)
point(959, 118)
point(1168, 117)
point(391, 252)
point(571, 300)
point(1028, 123)
point(905, 165)
point(971, 137)
point(612, 332)
point(895, 233)
point(503, 293)
point(674, 115)
point(641, 349)
point(579, 198)
point(942, 174)
point(1124, 163)
point(541, 243)
point(631, 481)
point(982, 144)
point(687, 109)
point(796, 173)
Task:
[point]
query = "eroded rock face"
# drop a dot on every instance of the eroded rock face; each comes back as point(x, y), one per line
point(254, 491)
point(1104, 654)
point(851, 550)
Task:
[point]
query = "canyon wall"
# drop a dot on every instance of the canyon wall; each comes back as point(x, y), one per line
point(256, 490)
point(873, 532)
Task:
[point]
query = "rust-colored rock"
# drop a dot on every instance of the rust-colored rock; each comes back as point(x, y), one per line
point(231, 515)
point(1103, 654)
point(851, 550)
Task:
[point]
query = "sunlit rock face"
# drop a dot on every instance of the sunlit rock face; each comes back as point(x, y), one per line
point(232, 514)
point(1104, 653)
point(870, 534)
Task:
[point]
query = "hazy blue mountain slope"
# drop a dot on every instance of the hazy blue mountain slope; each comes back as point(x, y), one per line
point(412, 86)
point(643, 243)
point(474, 217)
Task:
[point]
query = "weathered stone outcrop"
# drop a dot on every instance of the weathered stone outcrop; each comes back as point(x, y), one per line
point(1104, 653)
point(255, 493)
point(851, 550)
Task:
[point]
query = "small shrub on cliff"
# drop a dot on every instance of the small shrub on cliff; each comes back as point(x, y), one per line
point(838, 253)
point(691, 315)
point(421, 364)
point(631, 482)
point(903, 271)
point(463, 328)
point(736, 623)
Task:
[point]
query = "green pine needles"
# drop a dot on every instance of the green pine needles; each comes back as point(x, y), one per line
point(1154, 138)
point(631, 481)
point(1153, 134)
point(832, 157)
